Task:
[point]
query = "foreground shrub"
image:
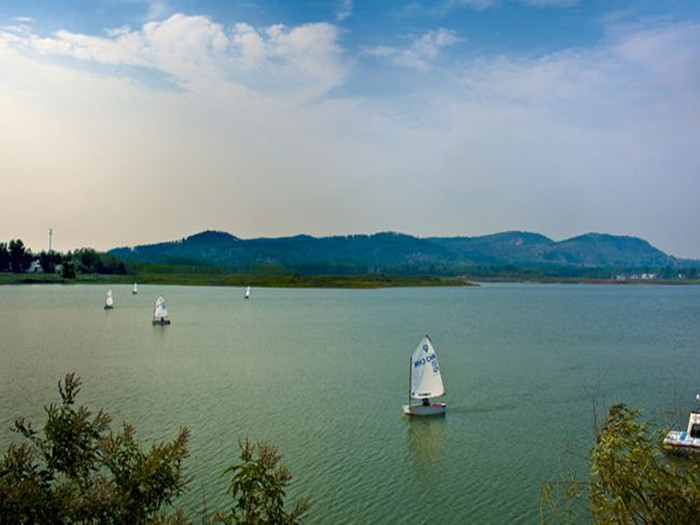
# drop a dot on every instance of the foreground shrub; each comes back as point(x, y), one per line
point(76, 470)
point(631, 480)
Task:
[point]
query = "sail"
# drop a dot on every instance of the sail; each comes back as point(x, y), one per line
point(426, 380)
point(135, 290)
point(161, 310)
point(109, 301)
point(247, 292)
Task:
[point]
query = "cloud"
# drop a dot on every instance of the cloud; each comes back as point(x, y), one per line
point(345, 10)
point(602, 138)
point(478, 5)
point(481, 5)
point(599, 136)
point(196, 52)
point(421, 53)
point(551, 3)
point(158, 11)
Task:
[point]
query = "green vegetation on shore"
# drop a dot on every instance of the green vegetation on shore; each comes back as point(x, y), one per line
point(223, 279)
point(87, 266)
point(297, 265)
point(630, 480)
point(76, 469)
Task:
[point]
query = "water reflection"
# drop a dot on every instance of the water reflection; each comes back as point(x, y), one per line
point(426, 442)
point(159, 330)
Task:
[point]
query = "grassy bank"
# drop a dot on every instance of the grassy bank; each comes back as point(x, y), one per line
point(309, 281)
point(291, 281)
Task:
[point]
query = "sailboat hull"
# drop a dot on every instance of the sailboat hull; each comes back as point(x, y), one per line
point(677, 442)
point(434, 409)
point(161, 321)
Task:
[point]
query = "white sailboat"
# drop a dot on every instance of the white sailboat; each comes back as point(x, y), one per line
point(247, 293)
point(424, 382)
point(135, 290)
point(160, 313)
point(109, 300)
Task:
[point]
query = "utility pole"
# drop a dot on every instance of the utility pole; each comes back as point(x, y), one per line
point(50, 235)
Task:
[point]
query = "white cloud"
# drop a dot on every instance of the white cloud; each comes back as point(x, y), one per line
point(345, 10)
point(421, 53)
point(601, 138)
point(551, 3)
point(158, 11)
point(195, 51)
point(480, 5)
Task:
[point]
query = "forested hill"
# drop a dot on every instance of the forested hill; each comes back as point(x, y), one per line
point(404, 254)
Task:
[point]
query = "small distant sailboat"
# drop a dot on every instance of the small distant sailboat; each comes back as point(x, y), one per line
point(160, 313)
point(109, 300)
point(247, 293)
point(424, 382)
point(685, 441)
point(135, 290)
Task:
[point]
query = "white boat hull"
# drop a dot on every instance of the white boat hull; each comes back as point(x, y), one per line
point(679, 442)
point(434, 409)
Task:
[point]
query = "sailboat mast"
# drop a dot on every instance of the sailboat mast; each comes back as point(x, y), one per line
point(410, 363)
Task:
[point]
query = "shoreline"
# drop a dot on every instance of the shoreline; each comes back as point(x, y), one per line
point(315, 281)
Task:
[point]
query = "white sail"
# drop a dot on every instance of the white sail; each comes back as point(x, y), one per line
point(247, 292)
point(161, 309)
point(109, 301)
point(426, 380)
point(135, 290)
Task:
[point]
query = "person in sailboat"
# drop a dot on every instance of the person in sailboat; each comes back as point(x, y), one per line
point(426, 402)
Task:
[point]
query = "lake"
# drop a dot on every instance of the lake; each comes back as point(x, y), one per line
point(322, 374)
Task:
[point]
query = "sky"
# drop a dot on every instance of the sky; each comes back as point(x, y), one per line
point(124, 122)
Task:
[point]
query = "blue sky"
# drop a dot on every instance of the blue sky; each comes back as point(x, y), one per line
point(132, 121)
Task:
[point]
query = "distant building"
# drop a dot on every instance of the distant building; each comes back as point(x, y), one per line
point(35, 267)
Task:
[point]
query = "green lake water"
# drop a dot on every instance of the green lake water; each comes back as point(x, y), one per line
point(323, 374)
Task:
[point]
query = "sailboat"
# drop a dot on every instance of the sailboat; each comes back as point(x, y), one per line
point(685, 441)
point(160, 313)
point(135, 290)
point(247, 293)
point(424, 381)
point(109, 301)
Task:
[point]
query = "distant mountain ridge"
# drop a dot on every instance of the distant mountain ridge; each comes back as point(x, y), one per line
point(398, 253)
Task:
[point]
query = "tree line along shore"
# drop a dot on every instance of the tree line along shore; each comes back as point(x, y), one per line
point(19, 265)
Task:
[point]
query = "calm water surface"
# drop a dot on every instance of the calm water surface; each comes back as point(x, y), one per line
point(323, 374)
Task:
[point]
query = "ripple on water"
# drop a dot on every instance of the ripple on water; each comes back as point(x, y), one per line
point(322, 375)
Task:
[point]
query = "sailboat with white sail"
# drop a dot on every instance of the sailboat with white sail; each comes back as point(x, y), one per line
point(247, 293)
point(109, 300)
point(135, 290)
point(160, 312)
point(424, 382)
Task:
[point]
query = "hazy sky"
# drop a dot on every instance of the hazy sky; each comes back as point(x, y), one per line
point(125, 122)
